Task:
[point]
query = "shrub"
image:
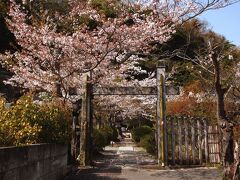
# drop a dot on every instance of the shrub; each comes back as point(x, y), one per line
point(54, 120)
point(189, 106)
point(109, 133)
point(115, 135)
point(103, 136)
point(148, 142)
point(140, 132)
point(139, 121)
point(99, 141)
point(27, 122)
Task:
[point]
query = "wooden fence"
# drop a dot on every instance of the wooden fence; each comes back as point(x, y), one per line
point(214, 144)
point(190, 141)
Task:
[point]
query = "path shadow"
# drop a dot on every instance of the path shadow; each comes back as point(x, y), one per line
point(103, 155)
point(96, 174)
point(111, 164)
point(93, 177)
point(190, 173)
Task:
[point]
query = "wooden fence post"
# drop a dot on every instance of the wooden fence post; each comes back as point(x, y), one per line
point(199, 141)
point(218, 144)
point(173, 144)
point(193, 140)
point(211, 155)
point(186, 140)
point(180, 139)
point(206, 140)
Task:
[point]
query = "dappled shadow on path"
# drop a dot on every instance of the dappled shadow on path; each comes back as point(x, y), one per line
point(125, 161)
point(103, 169)
point(190, 173)
point(96, 174)
point(109, 164)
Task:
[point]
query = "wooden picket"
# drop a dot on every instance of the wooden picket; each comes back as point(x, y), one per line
point(192, 142)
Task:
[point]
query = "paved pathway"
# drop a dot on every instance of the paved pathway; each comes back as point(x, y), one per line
point(125, 161)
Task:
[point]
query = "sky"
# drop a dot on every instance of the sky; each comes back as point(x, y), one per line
point(225, 21)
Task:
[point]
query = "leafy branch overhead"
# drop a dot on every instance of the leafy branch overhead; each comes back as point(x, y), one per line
point(59, 44)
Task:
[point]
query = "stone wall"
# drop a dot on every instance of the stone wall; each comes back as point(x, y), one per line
point(33, 162)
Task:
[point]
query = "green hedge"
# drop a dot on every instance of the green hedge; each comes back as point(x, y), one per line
point(103, 136)
point(139, 132)
point(148, 142)
point(109, 133)
point(144, 135)
point(99, 140)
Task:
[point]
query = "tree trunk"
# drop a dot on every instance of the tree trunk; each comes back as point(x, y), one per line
point(224, 123)
point(227, 139)
point(237, 160)
point(57, 89)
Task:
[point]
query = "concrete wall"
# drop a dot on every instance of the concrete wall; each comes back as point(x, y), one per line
point(33, 162)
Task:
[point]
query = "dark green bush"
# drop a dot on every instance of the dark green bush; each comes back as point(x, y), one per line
point(139, 132)
point(99, 141)
point(139, 121)
point(115, 135)
point(109, 133)
point(148, 142)
point(103, 136)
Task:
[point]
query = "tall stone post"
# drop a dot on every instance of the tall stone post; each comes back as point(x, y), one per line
point(83, 124)
point(89, 121)
point(161, 117)
point(86, 125)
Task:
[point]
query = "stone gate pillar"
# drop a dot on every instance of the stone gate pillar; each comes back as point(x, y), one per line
point(161, 117)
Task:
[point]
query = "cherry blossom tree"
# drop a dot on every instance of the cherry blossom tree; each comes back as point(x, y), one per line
point(55, 61)
point(51, 60)
point(129, 106)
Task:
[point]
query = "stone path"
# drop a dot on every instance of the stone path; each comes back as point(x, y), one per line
point(125, 161)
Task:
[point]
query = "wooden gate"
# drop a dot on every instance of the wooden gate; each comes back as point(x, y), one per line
point(190, 141)
point(86, 120)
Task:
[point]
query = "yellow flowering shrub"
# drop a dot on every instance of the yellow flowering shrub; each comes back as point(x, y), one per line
point(26, 122)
